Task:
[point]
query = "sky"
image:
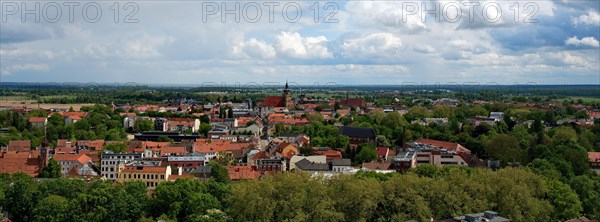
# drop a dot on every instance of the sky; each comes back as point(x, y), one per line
point(263, 42)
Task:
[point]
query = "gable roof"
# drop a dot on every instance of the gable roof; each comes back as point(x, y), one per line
point(79, 114)
point(80, 158)
point(206, 146)
point(357, 132)
point(355, 102)
point(19, 145)
point(274, 101)
point(450, 146)
point(145, 169)
point(594, 156)
point(330, 154)
point(37, 119)
point(377, 166)
point(341, 162)
point(305, 164)
point(382, 151)
point(96, 144)
point(242, 173)
point(177, 150)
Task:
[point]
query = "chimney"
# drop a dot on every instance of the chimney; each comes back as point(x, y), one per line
point(404, 138)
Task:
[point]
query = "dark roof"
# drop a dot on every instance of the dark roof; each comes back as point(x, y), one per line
point(275, 101)
point(580, 219)
point(355, 102)
point(202, 170)
point(305, 164)
point(341, 162)
point(358, 132)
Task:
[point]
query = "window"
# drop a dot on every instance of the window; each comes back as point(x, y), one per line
point(449, 163)
point(422, 155)
point(447, 156)
point(422, 161)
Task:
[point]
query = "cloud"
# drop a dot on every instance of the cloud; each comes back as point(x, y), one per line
point(585, 41)
point(592, 18)
point(24, 67)
point(293, 45)
point(378, 45)
point(255, 49)
point(423, 48)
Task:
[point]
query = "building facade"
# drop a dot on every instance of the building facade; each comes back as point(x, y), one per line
point(110, 162)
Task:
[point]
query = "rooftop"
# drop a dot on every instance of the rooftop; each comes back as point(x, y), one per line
point(359, 132)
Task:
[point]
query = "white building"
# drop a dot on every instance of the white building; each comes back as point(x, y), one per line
point(110, 162)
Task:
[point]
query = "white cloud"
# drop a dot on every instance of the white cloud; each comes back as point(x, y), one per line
point(585, 41)
point(592, 18)
point(293, 45)
point(380, 45)
point(255, 49)
point(25, 67)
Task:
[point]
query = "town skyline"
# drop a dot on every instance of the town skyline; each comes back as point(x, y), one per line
point(370, 42)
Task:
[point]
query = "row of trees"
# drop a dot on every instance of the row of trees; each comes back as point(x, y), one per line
point(425, 192)
point(102, 123)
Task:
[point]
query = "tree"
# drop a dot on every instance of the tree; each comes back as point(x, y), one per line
point(117, 147)
point(163, 138)
point(505, 148)
point(564, 134)
point(367, 153)
point(20, 196)
point(143, 125)
point(204, 128)
point(417, 112)
point(544, 168)
point(51, 170)
point(219, 172)
point(52, 208)
point(588, 191)
point(199, 204)
point(564, 199)
point(382, 141)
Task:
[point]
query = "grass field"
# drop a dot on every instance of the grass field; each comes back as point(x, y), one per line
point(12, 101)
point(585, 99)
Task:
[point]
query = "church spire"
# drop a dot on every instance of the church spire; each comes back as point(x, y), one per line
point(286, 84)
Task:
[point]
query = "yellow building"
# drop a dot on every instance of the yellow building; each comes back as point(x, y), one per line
point(151, 175)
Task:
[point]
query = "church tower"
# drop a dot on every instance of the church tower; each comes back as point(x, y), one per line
point(287, 97)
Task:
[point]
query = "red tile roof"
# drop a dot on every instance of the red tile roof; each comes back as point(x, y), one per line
point(445, 145)
point(273, 101)
point(174, 177)
point(354, 102)
point(259, 155)
point(377, 166)
point(145, 169)
point(94, 144)
point(81, 158)
point(63, 143)
point(330, 154)
point(204, 146)
point(65, 150)
point(242, 172)
point(37, 119)
point(594, 156)
point(176, 150)
point(19, 145)
point(74, 117)
point(382, 151)
point(79, 114)
point(25, 162)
